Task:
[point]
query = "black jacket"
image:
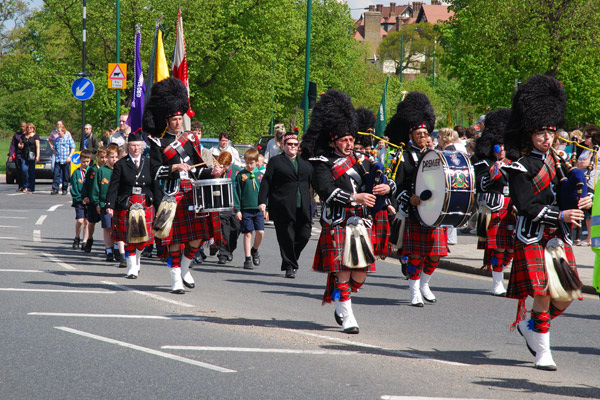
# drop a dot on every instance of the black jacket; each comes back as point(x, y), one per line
point(280, 185)
point(92, 144)
point(125, 177)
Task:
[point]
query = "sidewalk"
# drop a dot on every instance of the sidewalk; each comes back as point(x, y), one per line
point(465, 257)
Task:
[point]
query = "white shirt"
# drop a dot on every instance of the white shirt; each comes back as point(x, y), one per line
point(272, 149)
point(235, 155)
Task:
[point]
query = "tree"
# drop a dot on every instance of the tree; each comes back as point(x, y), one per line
point(410, 47)
point(489, 48)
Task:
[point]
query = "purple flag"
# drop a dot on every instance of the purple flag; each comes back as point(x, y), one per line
point(139, 89)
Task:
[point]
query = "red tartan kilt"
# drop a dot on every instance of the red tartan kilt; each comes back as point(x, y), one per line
point(528, 273)
point(187, 225)
point(421, 240)
point(381, 234)
point(498, 235)
point(215, 227)
point(330, 248)
point(120, 223)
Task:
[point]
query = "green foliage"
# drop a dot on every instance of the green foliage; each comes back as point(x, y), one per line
point(245, 58)
point(489, 48)
point(412, 44)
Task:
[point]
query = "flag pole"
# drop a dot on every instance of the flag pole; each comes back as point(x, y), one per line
point(118, 94)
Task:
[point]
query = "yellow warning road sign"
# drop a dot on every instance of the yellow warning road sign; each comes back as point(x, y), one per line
point(117, 75)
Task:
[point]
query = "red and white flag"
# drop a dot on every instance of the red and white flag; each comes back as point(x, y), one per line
point(180, 68)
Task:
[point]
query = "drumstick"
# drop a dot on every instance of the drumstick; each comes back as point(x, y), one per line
point(197, 165)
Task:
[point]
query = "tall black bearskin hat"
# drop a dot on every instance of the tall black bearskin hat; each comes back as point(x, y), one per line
point(414, 112)
point(366, 123)
point(537, 104)
point(332, 118)
point(493, 132)
point(168, 98)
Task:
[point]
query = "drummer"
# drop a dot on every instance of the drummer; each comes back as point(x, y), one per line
point(177, 160)
point(412, 124)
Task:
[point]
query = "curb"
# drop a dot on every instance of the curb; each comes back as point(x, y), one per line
point(453, 266)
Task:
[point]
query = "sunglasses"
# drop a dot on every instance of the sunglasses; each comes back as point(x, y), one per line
point(292, 144)
point(587, 136)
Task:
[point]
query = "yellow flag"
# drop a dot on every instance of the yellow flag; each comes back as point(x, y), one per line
point(161, 70)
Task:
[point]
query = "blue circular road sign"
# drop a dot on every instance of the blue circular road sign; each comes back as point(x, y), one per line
point(83, 89)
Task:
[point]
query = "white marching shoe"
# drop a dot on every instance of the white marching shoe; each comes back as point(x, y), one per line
point(427, 294)
point(543, 358)
point(344, 310)
point(132, 267)
point(523, 328)
point(176, 281)
point(186, 275)
point(415, 292)
point(498, 288)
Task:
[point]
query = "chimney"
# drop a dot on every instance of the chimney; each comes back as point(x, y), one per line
point(373, 29)
point(371, 7)
point(392, 9)
point(416, 8)
point(379, 7)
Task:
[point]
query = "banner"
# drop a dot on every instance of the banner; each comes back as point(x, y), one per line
point(180, 68)
point(381, 113)
point(139, 89)
point(157, 69)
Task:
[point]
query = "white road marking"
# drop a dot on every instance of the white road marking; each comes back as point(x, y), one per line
point(126, 316)
point(370, 346)
point(58, 291)
point(20, 270)
point(154, 296)
point(259, 350)
point(8, 253)
point(12, 210)
point(57, 261)
point(11, 217)
point(8, 226)
point(41, 219)
point(54, 207)
point(15, 194)
point(388, 397)
point(7, 237)
point(145, 349)
point(37, 236)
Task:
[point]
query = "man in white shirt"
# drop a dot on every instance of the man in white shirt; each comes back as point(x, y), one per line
point(225, 145)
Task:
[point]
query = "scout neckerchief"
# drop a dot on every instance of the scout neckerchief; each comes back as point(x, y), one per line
point(543, 178)
point(342, 165)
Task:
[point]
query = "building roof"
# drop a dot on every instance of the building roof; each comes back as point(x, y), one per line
point(434, 13)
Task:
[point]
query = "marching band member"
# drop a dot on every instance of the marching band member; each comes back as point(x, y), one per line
point(544, 264)
point(129, 201)
point(344, 249)
point(415, 120)
point(172, 157)
point(494, 199)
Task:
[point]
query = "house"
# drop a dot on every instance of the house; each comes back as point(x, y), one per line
point(434, 13)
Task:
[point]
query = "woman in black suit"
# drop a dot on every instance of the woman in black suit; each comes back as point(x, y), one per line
point(286, 185)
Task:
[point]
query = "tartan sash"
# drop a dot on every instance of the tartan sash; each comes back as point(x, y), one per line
point(342, 165)
point(171, 151)
point(543, 178)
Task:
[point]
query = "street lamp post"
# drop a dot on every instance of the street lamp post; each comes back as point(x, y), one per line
point(118, 48)
point(307, 62)
point(434, 42)
point(401, 55)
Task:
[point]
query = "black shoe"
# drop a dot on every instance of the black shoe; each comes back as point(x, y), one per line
point(178, 291)
point(352, 330)
point(188, 285)
point(52, 192)
point(255, 258)
point(147, 253)
point(202, 255)
point(123, 263)
point(131, 276)
point(116, 255)
point(88, 245)
point(76, 242)
point(222, 260)
point(109, 256)
point(248, 264)
point(212, 251)
point(290, 273)
point(64, 193)
point(338, 319)
point(230, 258)
point(83, 244)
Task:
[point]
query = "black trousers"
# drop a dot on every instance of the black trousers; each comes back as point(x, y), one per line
point(292, 237)
point(230, 229)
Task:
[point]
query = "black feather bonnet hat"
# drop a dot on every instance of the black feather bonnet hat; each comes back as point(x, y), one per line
point(168, 98)
point(493, 132)
point(332, 118)
point(366, 123)
point(414, 112)
point(537, 104)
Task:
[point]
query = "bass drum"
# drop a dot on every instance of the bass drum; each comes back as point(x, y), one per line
point(446, 185)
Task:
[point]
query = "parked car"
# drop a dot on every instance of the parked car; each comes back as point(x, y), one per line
point(261, 144)
point(210, 142)
point(43, 168)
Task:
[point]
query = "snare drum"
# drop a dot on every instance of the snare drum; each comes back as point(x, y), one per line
point(212, 195)
point(446, 185)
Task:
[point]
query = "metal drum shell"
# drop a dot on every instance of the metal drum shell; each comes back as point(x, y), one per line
point(220, 200)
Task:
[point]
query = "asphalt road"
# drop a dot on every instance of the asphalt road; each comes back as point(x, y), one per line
point(73, 327)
